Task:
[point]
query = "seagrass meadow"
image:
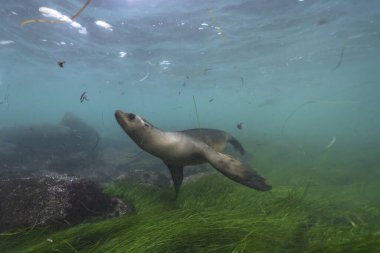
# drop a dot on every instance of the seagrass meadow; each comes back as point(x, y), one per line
point(324, 203)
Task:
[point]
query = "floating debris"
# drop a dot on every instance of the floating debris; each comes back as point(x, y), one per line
point(61, 64)
point(196, 112)
point(29, 21)
point(340, 60)
point(144, 78)
point(59, 17)
point(210, 101)
point(242, 81)
point(83, 97)
point(239, 126)
point(332, 142)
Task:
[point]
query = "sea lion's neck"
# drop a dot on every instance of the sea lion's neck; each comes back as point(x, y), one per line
point(150, 140)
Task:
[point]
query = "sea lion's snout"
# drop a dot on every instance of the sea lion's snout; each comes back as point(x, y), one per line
point(121, 118)
point(118, 113)
point(126, 120)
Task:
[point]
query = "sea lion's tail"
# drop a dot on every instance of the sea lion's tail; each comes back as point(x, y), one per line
point(236, 170)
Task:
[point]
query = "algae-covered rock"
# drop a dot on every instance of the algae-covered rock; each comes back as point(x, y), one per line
point(54, 200)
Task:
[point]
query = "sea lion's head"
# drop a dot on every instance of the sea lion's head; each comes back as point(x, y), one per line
point(135, 126)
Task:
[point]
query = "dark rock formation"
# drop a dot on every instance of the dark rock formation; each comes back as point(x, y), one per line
point(88, 136)
point(57, 201)
point(66, 147)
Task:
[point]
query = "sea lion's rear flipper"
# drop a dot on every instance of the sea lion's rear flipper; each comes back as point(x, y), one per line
point(236, 144)
point(236, 170)
point(177, 175)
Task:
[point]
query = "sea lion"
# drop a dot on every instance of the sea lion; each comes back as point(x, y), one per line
point(190, 147)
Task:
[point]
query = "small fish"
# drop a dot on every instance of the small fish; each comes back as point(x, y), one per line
point(240, 126)
point(61, 64)
point(211, 100)
point(83, 97)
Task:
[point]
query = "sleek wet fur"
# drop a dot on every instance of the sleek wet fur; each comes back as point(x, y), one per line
point(190, 147)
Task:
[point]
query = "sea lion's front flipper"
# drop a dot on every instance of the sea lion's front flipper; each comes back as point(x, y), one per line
point(177, 176)
point(236, 170)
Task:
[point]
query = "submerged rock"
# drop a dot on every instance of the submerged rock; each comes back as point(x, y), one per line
point(59, 201)
point(66, 147)
point(88, 136)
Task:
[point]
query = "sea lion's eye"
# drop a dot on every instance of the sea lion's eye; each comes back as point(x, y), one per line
point(145, 124)
point(131, 116)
